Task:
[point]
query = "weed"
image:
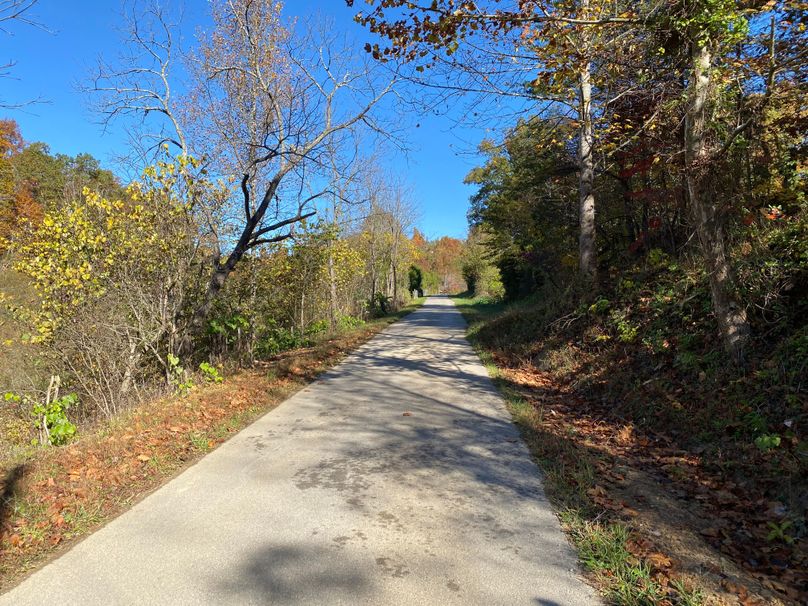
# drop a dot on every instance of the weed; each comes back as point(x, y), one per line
point(318, 327)
point(54, 427)
point(686, 595)
point(82, 519)
point(627, 580)
point(178, 377)
point(767, 442)
point(349, 322)
point(777, 531)
point(599, 307)
point(626, 331)
point(658, 259)
point(210, 373)
point(199, 441)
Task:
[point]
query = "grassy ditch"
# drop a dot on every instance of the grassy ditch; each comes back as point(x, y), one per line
point(52, 497)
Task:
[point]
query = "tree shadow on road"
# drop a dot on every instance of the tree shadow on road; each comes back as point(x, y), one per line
point(8, 489)
point(295, 574)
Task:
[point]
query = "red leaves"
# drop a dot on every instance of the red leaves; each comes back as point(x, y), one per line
point(773, 213)
point(638, 167)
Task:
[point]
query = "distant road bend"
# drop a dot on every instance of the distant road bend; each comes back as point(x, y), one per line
point(397, 478)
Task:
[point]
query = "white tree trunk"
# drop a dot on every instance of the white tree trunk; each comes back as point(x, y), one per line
point(587, 243)
point(332, 279)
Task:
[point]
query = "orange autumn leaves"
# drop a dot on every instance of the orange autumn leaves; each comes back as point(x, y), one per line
point(17, 203)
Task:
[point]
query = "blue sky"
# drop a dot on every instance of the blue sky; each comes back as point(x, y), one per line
point(51, 65)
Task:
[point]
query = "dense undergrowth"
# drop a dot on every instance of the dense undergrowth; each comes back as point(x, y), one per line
point(635, 376)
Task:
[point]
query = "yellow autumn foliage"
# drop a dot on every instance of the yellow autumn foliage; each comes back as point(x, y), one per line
point(85, 247)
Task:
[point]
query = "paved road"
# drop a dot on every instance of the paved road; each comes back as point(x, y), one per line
point(397, 478)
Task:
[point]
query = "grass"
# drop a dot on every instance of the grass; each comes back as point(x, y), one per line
point(603, 549)
point(604, 546)
point(67, 492)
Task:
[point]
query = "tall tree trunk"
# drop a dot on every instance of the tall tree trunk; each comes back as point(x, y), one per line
point(251, 235)
point(587, 244)
point(394, 274)
point(332, 272)
point(215, 286)
point(332, 278)
point(373, 278)
point(394, 268)
point(731, 317)
point(302, 313)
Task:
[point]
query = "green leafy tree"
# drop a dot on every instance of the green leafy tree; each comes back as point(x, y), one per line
point(525, 205)
point(416, 281)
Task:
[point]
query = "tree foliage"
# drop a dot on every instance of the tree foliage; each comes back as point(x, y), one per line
point(669, 93)
point(114, 280)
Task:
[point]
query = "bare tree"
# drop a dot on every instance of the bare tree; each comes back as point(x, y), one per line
point(14, 11)
point(277, 106)
point(402, 215)
point(269, 106)
point(389, 216)
point(136, 86)
point(345, 194)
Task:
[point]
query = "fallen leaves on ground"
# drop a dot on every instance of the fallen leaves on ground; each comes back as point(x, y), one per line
point(730, 521)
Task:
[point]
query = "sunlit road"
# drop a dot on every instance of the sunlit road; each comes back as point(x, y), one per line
point(397, 478)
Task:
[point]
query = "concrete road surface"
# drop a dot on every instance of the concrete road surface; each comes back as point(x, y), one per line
point(397, 478)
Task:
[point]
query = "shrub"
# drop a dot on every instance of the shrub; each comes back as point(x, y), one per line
point(54, 427)
point(210, 373)
point(415, 277)
point(177, 376)
point(349, 322)
point(599, 307)
point(380, 305)
point(276, 340)
point(113, 277)
point(318, 327)
point(52, 417)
